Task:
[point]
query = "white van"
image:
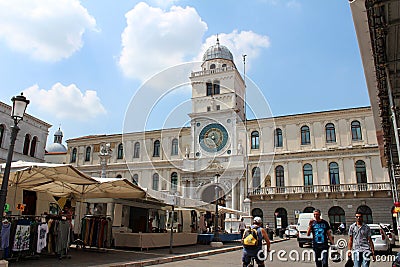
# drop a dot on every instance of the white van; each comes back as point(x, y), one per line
point(302, 227)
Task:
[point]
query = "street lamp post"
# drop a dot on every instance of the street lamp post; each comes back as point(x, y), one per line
point(104, 155)
point(216, 232)
point(17, 113)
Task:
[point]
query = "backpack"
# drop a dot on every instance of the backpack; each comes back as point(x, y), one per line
point(250, 237)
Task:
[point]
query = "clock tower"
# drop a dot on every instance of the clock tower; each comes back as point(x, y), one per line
point(218, 92)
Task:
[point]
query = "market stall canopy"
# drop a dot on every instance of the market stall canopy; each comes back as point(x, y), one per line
point(56, 179)
point(113, 188)
point(231, 211)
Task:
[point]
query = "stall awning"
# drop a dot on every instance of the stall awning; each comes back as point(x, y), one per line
point(113, 188)
point(231, 211)
point(56, 179)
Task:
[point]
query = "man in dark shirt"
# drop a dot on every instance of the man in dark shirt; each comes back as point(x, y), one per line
point(321, 233)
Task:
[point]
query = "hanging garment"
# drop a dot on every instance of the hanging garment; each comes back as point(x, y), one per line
point(21, 239)
point(62, 242)
point(42, 236)
point(5, 235)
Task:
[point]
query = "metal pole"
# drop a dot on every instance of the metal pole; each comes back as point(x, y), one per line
point(216, 233)
point(171, 239)
point(6, 176)
point(245, 126)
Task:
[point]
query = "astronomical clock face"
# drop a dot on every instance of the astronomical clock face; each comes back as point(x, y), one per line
point(213, 137)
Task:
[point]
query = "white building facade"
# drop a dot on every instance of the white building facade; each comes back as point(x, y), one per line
point(280, 165)
point(31, 139)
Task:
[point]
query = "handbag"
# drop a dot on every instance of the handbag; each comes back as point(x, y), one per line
point(349, 263)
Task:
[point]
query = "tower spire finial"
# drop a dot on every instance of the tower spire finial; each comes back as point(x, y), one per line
point(217, 40)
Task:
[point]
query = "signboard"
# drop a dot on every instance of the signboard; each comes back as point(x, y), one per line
point(278, 222)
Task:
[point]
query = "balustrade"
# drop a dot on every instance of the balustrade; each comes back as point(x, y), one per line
point(320, 188)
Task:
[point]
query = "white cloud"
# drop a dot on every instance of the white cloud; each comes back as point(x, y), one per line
point(155, 39)
point(163, 3)
point(66, 102)
point(239, 43)
point(47, 30)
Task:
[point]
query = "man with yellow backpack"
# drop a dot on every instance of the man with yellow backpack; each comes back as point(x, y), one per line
point(252, 243)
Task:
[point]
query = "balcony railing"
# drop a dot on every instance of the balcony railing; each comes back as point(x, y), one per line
point(320, 189)
point(211, 71)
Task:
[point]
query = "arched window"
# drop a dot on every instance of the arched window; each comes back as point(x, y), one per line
point(255, 140)
point(336, 216)
point(33, 146)
point(212, 66)
point(174, 181)
point(224, 65)
point(2, 132)
point(308, 177)
point(73, 155)
point(361, 174)
point(118, 176)
point(305, 135)
point(136, 150)
point(156, 152)
point(308, 209)
point(356, 131)
point(334, 173)
point(156, 180)
point(255, 173)
point(278, 139)
point(216, 88)
point(135, 179)
point(282, 214)
point(257, 212)
point(366, 212)
point(27, 141)
point(330, 133)
point(174, 150)
point(120, 153)
point(88, 152)
point(279, 176)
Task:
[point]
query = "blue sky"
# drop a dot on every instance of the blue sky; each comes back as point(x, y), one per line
point(81, 62)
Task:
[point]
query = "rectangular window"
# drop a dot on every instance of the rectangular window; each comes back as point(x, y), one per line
point(209, 88)
point(218, 107)
point(208, 109)
point(216, 89)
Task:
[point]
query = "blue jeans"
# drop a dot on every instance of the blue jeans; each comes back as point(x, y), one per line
point(321, 256)
point(361, 259)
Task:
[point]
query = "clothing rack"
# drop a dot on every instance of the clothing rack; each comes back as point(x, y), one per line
point(29, 236)
point(95, 233)
point(20, 236)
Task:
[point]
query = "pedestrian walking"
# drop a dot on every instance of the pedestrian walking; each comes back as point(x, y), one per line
point(242, 227)
point(321, 234)
point(360, 244)
point(256, 252)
